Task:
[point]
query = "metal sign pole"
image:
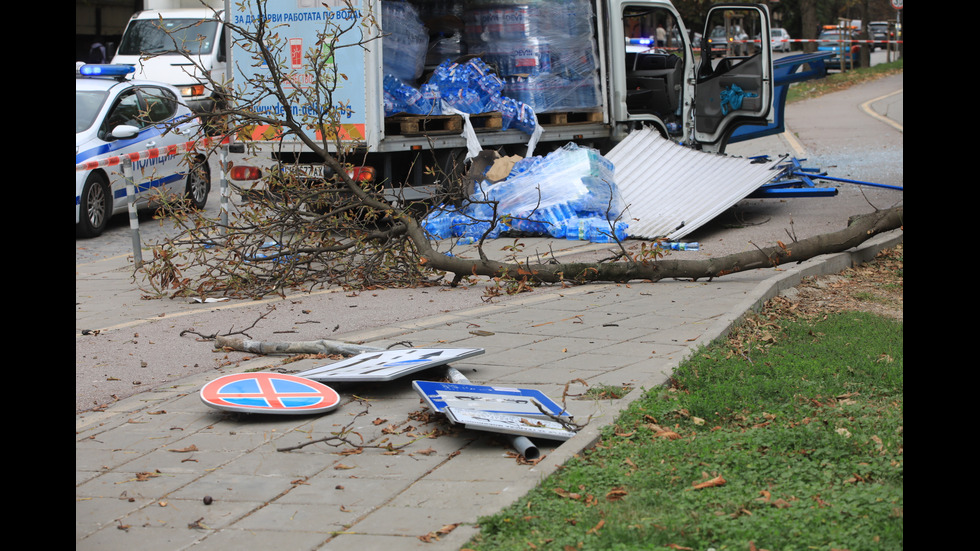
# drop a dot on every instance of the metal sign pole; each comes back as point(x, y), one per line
point(522, 444)
point(134, 221)
point(223, 166)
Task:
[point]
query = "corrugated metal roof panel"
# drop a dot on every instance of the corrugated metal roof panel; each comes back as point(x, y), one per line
point(671, 190)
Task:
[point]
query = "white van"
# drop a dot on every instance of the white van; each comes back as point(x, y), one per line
point(174, 46)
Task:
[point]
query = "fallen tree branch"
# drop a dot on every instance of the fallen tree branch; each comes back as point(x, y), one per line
point(858, 230)
point(301, 347)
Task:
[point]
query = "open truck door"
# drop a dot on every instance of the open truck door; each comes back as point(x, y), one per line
point(734, 78)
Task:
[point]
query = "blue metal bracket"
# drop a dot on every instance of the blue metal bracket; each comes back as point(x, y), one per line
point(795, 180)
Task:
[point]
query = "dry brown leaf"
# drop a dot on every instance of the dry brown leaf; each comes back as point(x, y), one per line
point(597, 527)
point(351, 451)
point(567, 494)
point(447, 528)
point(191, 448)
point(660, 432)
point(780, 503)
point(716, 481)
point(616, 494)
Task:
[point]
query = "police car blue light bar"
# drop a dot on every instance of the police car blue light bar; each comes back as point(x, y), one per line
point(106, 70)
point(640, 41)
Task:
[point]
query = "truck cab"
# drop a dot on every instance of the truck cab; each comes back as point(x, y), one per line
point(182, 47)
point(696, 93)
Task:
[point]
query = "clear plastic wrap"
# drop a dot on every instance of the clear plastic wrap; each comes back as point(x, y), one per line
point(578, 177)
point(570, 193)
point(544, 50)
point(406, 41)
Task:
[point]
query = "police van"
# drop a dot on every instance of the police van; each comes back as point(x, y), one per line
point(115, 117)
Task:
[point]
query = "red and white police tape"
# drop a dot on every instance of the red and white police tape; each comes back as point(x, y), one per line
point(152, 153)
point(804, 40)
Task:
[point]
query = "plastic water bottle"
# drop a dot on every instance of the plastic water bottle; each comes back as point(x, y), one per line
point(571, 228)
point(679, 246)
point(622, 230)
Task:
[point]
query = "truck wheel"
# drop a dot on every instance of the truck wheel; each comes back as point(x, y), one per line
point(198, 184)
point(95, 205)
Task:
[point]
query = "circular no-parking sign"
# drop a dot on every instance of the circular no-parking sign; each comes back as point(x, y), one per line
point(263, 392)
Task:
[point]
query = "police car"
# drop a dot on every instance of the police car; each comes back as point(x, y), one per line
point(144, 121)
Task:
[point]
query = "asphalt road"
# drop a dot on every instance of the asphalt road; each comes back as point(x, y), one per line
point(136, 344)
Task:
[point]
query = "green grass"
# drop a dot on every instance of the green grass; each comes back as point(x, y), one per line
point(804, 427)
point(834, 82)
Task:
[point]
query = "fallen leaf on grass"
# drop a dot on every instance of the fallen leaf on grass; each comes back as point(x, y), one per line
point(567, 494)
point(716, 481)
point(595, 529)
point(616, 494)
point(660, 432)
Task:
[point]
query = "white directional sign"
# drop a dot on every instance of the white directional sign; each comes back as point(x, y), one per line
point(387, 365)
point(523, 425)
point(489, 399)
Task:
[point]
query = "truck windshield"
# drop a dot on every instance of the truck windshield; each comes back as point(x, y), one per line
point(165, 36)
point(87, 106)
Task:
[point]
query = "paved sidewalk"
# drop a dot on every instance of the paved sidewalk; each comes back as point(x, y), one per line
point(144, 466)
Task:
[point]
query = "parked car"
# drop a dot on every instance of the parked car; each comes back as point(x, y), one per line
point(115, 116)
point(842, 43)
point(878, 31)
point(735, 40)
point(779, 39)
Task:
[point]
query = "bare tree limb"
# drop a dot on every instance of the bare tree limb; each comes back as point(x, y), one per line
point(301, 347)
point(861, 229)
